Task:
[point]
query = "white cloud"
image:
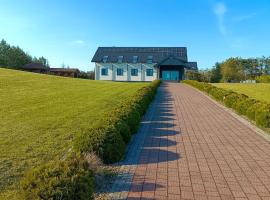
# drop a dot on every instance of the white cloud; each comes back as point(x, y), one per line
point(220, 10)
point(77, 42)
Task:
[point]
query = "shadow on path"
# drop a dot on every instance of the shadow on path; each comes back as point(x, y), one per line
point(148, 146)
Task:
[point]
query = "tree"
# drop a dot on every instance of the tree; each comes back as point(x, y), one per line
point(87, 75)
point(202, 76)
point(192, 75)
point(216, 75)
point(92, 75)
point(42, 61)
point(232, 70)
point(14, 57)
point(3, 49)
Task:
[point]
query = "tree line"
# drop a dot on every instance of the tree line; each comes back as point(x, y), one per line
point(234, 70)
point(15, 58)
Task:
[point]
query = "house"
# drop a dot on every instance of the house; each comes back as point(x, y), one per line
point(141, 63)
point(36, 67)
point(68, 72)
point(40, 68)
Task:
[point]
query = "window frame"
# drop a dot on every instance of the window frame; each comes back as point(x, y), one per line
point(120, 59)
point(121, 70)
point(135, 59)
point(107, 71)
point(149, 60)
point(105, 59)
point(152, 72)
point(134, 74)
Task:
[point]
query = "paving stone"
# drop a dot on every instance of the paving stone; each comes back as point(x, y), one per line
point(190, 147)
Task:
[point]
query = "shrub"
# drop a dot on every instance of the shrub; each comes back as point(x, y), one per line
point(263, 79)
point(219, 94)
point(69, 179)
point(240, 98)
point(242, 106)
point(108, 139)
point(230, 99)
point(115, 119)
point(253, 109)
point(72, 178)
point(128, 113)
point(262, 116)
point(124, 130)
point(102, 140)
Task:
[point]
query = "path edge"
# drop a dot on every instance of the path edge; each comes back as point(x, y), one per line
point(240, 118)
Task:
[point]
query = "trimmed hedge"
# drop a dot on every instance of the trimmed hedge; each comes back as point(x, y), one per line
point(72, 178)
point(69, 179)
point(109, 138)
point(255, 110)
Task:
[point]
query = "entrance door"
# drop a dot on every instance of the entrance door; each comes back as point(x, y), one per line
point(170, 75)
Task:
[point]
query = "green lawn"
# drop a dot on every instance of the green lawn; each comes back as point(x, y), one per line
point(260, 91)
point(41, 114)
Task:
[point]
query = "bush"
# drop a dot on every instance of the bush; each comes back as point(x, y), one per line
point(219, 94)
point(72, 178)
point(130, 115)
point(242, 106)
point(240, 98)
point(102, 140)
point(115, 119)
point(69, 179)
point(233, 98)
point(108, 139)
point(253, 109)
point(263, 79)
point(262, 116)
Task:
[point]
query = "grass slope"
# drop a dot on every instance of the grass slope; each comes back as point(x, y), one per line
point(41, 114)
point(259, 91)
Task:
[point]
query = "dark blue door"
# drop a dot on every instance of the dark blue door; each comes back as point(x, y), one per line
point(170, 75)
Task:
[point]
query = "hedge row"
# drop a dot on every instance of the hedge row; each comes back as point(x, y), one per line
point(69, 179)
point(255, 110)
point(263, 79)
point(109, 138)
point(72, 178)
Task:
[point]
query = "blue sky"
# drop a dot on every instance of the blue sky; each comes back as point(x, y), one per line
point(69, 31)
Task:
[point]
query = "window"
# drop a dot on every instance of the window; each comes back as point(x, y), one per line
point(104, 71)
point(120, 72)
point(149, 72)
point(120, 59)
point(134, 72)
point(105, 58)
point(149, 59)
point(135, 59)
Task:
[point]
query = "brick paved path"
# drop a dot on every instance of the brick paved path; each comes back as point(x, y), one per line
point(188, 147)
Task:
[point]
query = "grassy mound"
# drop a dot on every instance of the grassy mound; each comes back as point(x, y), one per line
point(259, 91)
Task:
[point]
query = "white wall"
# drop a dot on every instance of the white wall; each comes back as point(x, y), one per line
point(112, 72)
point(135, 66)
point(155, 73)
point(98, 71)
point(125, 72)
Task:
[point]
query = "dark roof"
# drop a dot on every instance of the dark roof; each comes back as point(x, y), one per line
point(172, 61)
point(192, 65)
point(35, 66)
point(64, 70)
point(158, 53)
